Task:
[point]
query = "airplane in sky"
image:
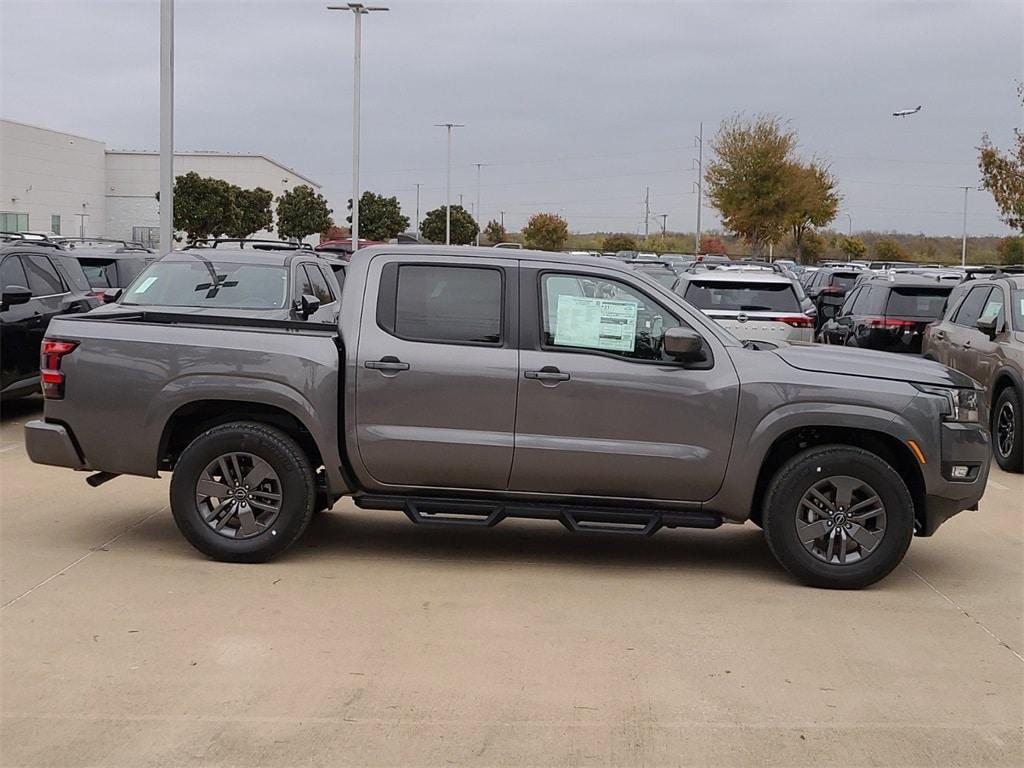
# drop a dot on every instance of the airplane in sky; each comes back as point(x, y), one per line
point(906, 112)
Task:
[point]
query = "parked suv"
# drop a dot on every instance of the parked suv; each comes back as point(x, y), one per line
point(887, 313)
point(759, 304)
point(109, 264)
point(827, 287)
point(982, 335)
point(39, 281)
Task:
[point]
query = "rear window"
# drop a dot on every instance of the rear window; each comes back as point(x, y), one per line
point(746, 297)
point(100, 273)
point(917, 302)
point(73, 271)
point(844, 280)
point(665, 277)
point(210, 284)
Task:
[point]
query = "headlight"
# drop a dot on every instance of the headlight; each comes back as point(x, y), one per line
point(961, 404)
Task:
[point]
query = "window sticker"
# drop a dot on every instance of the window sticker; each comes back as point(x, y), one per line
point(144, 285)
point(596, 323)
point(992, 309)
point(1021, 307)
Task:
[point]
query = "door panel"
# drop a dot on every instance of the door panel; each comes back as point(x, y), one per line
point(618, 427)
point(440, 412)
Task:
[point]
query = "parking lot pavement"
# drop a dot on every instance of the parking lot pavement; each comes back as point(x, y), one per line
point(375, 642)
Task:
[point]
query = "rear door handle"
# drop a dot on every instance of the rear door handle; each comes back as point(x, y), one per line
point(389, 364)
point(547, 373)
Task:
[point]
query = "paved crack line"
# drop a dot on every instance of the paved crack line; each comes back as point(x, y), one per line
point(962, 610)
point(92, 551)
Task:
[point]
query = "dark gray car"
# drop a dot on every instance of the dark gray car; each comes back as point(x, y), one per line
point(464, 386)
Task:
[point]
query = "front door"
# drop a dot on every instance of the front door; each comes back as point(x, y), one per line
point(602, 411)
point(437, 371)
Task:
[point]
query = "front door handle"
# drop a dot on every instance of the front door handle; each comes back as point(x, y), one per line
point(547, 373)
point(389, 364)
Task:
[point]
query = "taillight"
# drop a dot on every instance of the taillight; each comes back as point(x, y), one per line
point(889, 324)
point(50, 374)
point(797, 321)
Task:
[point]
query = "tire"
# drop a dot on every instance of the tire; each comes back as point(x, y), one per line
point(241, 533)
point(845, 564)
point(1007, 417)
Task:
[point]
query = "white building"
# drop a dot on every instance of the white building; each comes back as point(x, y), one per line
point(70, 185)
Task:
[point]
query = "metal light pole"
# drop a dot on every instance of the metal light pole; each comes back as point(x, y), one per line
point(166, 126)
point(478, 217)
point(359, 10)
point(417, 211)
point(700, 184)
point(850, 233)
point(448, 183)
point(963, 244)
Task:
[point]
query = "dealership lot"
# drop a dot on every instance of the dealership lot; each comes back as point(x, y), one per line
point(375, 642)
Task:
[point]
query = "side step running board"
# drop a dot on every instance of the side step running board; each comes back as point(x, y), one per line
point(483, 514)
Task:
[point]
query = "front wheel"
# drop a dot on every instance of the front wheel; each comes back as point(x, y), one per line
point(242, 492)
point(838, 517)
point(1008, 431)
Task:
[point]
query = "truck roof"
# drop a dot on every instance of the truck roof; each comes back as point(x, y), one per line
point(512, 254)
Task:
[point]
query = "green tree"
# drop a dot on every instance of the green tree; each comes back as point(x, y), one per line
point(813, 201)
point(852, 247)
point(495, 233)
point(250, 211)
point(1011, 250)
point(464, 227)
point(618, 242)
point(888, 250)
point(380, 218)
point(545, 232)
point(1003, 175)
point(202, 206)
point(301, 212)
point(813, 246)
point(748, 181)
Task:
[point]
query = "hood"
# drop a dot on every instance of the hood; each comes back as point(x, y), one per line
point(849, 361)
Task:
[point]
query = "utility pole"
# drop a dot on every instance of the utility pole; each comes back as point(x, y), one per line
point(963, 244)
point(664, 220)
point(359, 10)
point(700, 184)
point(448, 183)
point(647, 213)
point(479, 219)
point(502, 219)
point(166, 127)
point(417, 211)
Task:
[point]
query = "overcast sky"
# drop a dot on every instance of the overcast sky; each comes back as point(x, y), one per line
point(572, 107)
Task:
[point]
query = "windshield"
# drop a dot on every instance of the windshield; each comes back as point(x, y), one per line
point(209, 284)
point(743, 297)
point(917, 302)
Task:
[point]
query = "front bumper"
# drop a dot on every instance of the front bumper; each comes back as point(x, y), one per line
point(52, 444)
point(964, 445)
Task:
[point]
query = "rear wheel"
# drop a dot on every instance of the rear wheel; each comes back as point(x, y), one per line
point(242, 492)
point(1008, 431)
point(838, 517)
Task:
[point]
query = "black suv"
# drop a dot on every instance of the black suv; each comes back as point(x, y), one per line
point(109, 263)
point(40, 280)
point(887, 313)
point(826, 287)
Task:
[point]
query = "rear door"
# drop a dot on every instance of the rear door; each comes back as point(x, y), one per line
point(963, 334)
point(49, 293)
point(602, 411)
point(437, 365)
point(19, 352)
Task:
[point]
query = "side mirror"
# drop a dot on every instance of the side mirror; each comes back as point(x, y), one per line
point(986, 325)
point(683, 343)
point(110, 295)
point(307, 305)
point(15, 294)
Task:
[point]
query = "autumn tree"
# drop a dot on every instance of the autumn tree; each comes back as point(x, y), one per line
point(546, 232)
point(888, 250)
point(852, 247)
point(380, 218)
point(748, 180)
point(202, 206)
point(618, 242)
point(495, 233)
point(812, 201)
point(334, 232)
point(1002, 174)
point(250, 211)
point(302, 211)
point(712, 244)
point(464, 226)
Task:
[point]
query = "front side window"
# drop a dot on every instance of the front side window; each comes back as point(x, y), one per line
point(618, 320)
point(972, 306)
point(204, 283)
point(993, 308)
point(42, 276)
point(443, 304)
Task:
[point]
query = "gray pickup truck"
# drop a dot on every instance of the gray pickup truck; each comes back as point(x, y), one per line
point(464, 386)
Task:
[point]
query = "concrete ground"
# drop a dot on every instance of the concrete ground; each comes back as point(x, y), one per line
point(376, 642)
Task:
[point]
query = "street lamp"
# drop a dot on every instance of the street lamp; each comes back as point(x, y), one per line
point(166, 127)
point(448, 183)
point(479, 219)
point(359, 10)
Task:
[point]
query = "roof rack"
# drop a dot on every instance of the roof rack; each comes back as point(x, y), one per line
point(257, 244)
point(32, 239)
point(126, 245)
point(976, 273)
